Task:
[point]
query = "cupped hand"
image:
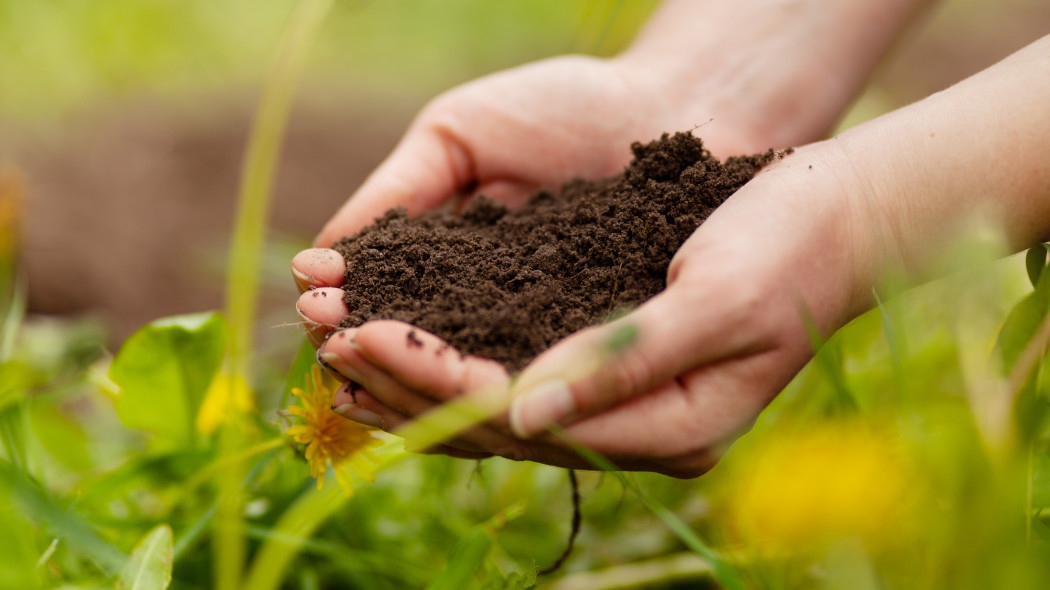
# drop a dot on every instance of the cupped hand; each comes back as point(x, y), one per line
point(708, 353)
point(542, 124)
point(510, 133)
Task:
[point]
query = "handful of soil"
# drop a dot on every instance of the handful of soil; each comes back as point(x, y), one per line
point(507, 284)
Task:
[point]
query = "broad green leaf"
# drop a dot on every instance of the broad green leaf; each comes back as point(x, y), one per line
point(1020, 326)
point(1022, 322)
point(149, 567)
point(163, 372)
point(1035, 263)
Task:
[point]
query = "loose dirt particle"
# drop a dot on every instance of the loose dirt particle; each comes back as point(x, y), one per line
point(506, 284)
point(413, 340)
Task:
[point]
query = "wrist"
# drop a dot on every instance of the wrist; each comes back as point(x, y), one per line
point(781, 72)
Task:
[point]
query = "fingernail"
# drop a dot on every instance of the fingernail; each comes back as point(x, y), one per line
point(333, 361)
point(304, 281)
point(535, 410)
point(319, 267)
point(314, 330)
point(360, 415)
point(331, 370)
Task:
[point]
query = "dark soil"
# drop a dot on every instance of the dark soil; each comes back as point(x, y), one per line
point(506, 284)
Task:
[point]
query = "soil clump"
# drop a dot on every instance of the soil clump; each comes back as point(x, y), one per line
point(506, 284)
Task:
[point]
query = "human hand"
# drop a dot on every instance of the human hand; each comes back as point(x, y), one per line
point(538, 125)
point(710, 351)
point(509, 134)
point(503, 136)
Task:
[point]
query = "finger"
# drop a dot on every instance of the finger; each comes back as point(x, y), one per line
point(342, 353)
point(354, 403)
point(321, 311)
point(318, 267)
point(686, 424)
point(601, 366)
point(428, 166)
point(425, 363)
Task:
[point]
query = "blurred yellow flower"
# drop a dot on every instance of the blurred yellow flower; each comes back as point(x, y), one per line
point(803, 489)
point(331, 438)
point(225, 395)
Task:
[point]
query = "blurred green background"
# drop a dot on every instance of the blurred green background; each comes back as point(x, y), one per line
point(128, 120)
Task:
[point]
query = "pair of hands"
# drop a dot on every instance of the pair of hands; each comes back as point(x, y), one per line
point(711, 350)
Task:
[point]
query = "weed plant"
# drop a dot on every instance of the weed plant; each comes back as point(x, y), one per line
point(911, 454)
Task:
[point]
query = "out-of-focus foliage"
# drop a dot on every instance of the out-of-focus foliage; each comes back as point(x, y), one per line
point(57, 55)
point(149, 567)
point(163, 372)
point(916, 486)
point(934, 475)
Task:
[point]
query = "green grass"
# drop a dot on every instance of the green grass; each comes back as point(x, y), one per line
point(100, 456)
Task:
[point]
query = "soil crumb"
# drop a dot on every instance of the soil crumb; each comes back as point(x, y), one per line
point(507, 284)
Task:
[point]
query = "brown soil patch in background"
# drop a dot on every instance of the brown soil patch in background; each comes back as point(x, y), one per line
point(128, 211)
point(506, 284)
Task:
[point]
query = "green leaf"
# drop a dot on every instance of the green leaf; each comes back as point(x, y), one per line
point(163, 372)
point(1040, 480)
point(61, 435)
point(15, 379)
point(468, 558)
point(1035, 262)
point(18, 550)
point(1022, 322)
point(149, 567)
point(299, 371)
point(466, 561)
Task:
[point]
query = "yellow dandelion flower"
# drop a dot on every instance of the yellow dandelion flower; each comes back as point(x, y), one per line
point(330, 438)
point(803, 489)
point(226, 395)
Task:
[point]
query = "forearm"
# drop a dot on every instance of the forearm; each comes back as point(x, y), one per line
point(976, 152)
point(970, 156)
point(783, 69)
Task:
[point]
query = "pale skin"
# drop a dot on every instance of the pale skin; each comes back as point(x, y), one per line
point(811, 234)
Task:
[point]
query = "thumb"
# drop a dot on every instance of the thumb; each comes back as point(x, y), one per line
point(602, 366)
point(427, 167)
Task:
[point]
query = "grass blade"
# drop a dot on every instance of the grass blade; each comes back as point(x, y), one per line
point(245, 262)
point(42, 508)
point(292, 530)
